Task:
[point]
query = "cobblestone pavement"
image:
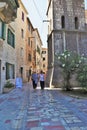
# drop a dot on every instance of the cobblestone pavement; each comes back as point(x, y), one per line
point(28, 109)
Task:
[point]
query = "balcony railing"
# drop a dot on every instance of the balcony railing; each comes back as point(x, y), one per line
point(9, 9)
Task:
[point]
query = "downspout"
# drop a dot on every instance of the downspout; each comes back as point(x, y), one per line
point(64, 40)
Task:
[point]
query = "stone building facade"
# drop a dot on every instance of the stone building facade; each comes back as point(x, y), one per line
point(20, 34)
point(8, 13)
point(66, 31)
point(38, 50)
point(86, 16)
point(30, 61)
point(20, 43)
point(44, 59)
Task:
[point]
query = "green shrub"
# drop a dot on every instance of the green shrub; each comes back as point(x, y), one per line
point(8, 84)
point(82, 76)
point(69, 62)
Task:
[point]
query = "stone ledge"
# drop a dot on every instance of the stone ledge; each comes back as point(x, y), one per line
point(7, 90)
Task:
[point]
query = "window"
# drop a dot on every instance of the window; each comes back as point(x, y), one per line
point(43, 58)
point(21, 52)
point(29, 26)
point(2, 30)
point(10, 71)
point(76, 23)
point(60, 2)
point(22, 16)
point(31, 30)
point(11, 38)
point(29, 57)
point(28, 41)
point(43, 65)
point(31, 44)
point(43, 52)
point(22, 33)
point(63, 22)
point(38, 49)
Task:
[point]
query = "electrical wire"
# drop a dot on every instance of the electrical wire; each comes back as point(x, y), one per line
point(41, 29)
point(42, 25)
point(38, 10)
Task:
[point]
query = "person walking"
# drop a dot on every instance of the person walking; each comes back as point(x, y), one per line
point(34, 78)
point(42, 79)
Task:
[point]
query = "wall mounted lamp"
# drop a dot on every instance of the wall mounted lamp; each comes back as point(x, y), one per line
point(46, 20)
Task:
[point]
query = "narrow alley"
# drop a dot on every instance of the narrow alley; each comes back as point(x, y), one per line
point(28, 109)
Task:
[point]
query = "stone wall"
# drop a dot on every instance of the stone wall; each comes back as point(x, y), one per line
point(72, 36)
point(50, 57)
point(69, 9)
point(75, 41)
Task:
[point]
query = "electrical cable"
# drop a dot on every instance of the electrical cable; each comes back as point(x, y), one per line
point(42, 25)
point(37, 10)
point(41, 29)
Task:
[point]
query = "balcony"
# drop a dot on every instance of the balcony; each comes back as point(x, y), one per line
point(8, 9)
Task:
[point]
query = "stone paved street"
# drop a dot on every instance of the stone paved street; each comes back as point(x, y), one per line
point(28, 109)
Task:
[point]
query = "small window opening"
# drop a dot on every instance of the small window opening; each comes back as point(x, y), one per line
point(63, 22)
point(76, 23)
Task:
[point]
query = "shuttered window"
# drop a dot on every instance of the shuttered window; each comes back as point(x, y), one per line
point(29, 57)
point(2, 30)
point(10, 71)
point(11, 38)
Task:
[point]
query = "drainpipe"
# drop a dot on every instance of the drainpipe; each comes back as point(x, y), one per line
point(64, 41)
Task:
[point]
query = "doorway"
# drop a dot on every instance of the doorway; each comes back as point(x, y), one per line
point(21, 71)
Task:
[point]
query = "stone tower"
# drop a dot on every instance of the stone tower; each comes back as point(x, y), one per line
point(66, 31)
point(68, 14)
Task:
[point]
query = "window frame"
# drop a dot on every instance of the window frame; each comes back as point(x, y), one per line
point(29, 57)
point(10, 38)
point(2, 30)
point(62, 21)
point(22, 15)
point(22, 33)
point(9, 68)
point(76, 22)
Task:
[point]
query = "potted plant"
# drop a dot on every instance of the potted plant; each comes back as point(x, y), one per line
point(8, 86)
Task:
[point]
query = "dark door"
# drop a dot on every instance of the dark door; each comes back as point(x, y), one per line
point(21, 71)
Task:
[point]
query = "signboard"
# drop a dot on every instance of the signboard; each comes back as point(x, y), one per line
point(19, 82)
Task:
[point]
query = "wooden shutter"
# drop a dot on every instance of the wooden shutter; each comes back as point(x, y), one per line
point(13, 71)
point(3, 30)
point(7, 70)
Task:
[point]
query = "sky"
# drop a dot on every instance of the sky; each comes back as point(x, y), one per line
point(37, 13)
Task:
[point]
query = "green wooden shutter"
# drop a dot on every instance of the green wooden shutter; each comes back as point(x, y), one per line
point(9, 37)
point(7, 70)
point(13, 41)
point(13, 71)
point(3, 30)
